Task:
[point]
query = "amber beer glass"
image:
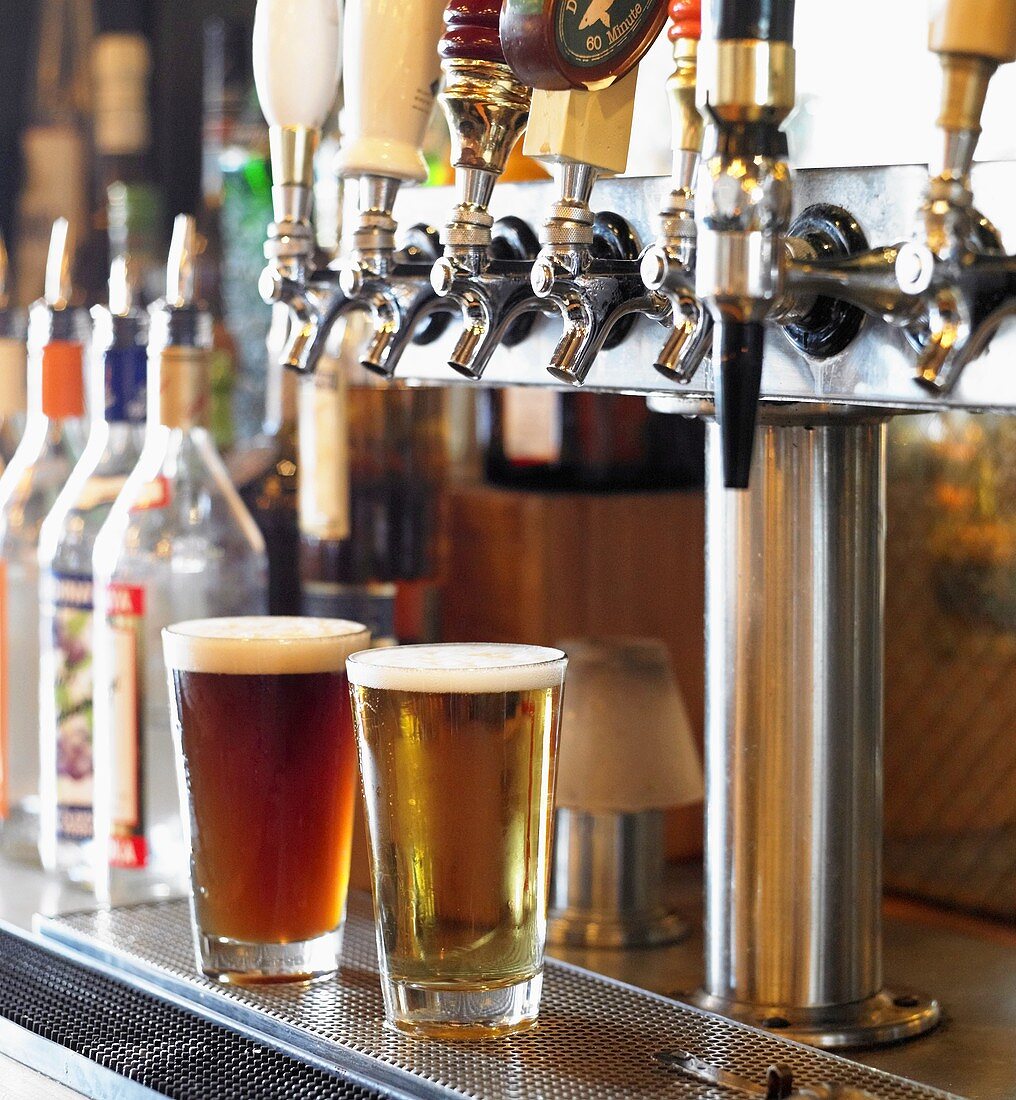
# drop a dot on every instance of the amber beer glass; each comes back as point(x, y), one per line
point(458, 747)
point(261, 717)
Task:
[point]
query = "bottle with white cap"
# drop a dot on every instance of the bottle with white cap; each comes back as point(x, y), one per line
point(29, 487)
point(178, 544)
point(13, 395)
point(117, 378)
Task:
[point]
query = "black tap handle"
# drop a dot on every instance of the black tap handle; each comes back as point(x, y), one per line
point(762, 20)
point(737, 352)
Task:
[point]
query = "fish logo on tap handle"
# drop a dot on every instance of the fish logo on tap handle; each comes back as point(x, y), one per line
point(597, 12)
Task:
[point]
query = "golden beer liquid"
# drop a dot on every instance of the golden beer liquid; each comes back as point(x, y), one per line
point(458, 791)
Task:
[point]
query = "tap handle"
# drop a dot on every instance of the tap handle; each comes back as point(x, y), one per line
point(755, 20)
point(685, 20)
point(296, 72)
point(391, 76)
point(296, 60)
point(558, 44)
point(977, 28)
point(471, 31)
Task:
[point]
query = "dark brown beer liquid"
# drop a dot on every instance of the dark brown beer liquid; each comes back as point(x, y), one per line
point(271, 770)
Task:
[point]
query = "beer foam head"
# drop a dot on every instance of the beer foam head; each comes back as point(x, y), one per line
point(262, 644)
point(461, 667)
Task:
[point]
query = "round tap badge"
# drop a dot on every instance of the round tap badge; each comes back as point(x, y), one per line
point(612, 33)
point(578, 43)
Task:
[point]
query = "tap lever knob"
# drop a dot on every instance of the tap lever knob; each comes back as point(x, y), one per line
point(685, 20)
point(558, 44)
point(392, 71)
point(754, 20)
point(296, 60)
point(737, 362)
point(976, 28)
point(472, 31)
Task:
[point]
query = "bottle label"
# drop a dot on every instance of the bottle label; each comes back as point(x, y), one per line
point(4, 708)
point(100, 492)
point(125, 616)
point(153, 494)
point(69, 600)
point(532, 425)
point(324, 453)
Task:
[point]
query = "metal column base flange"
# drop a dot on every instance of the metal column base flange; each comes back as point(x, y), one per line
point(888, 1017)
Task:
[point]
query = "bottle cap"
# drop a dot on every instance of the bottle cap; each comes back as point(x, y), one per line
point(63, 383)
point(13, 396)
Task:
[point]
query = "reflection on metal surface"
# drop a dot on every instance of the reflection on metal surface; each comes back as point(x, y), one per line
point(951, 662)
point(794, 605)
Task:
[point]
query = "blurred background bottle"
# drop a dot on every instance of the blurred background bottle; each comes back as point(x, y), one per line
point(13, 366)
point(29, 487)
point(374, 462)
point(55, 141)
point(178, 544)
point(265, 471)
point(66, 540)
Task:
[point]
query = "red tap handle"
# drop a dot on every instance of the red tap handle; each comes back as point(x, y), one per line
point(685, 19)
point(471, 31)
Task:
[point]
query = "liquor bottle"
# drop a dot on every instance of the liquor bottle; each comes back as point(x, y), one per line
point(373, 462)
point(29, 487)
point(66, 541)
point(178, 544)
point(555, 440)
point(55, 142)
point(13, 395)
point(128, 204)
point(264, 470)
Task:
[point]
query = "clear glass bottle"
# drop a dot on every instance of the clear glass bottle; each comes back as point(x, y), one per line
point(29, 487)
point(66, 541)
point(178, 544)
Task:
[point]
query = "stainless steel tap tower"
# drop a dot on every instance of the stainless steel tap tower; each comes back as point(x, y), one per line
point(835, 298)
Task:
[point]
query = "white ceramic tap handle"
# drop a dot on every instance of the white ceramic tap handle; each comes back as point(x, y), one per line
point(391, 74)
point(297, 58)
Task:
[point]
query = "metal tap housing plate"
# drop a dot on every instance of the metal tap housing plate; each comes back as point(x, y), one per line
point(875, 370)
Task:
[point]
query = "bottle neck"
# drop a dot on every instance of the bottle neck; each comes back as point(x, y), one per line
point(56, 381)
point(119, 386)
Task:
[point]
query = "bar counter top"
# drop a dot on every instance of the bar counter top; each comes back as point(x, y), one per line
point(969, 965)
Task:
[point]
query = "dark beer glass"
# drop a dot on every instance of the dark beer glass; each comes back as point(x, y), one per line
point(261, 717)
point(458, 748)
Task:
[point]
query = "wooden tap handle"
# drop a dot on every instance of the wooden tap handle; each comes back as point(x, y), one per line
point(471, 31)
point(685, 19)
point(977, 28)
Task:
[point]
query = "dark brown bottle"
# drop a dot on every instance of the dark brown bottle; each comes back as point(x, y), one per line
point(264, 469)
point(375, 461)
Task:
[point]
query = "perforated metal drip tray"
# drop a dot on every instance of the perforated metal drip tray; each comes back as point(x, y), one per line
point(596, 1039)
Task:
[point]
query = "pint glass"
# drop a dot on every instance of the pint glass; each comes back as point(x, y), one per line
point(261, 717)
point(458, 749)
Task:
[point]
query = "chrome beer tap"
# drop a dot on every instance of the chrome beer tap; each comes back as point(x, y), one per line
point(668, 266)
point(582, 61)
point(958, 272)
point(485, 267)
point(391, 74)
point(743, 209)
